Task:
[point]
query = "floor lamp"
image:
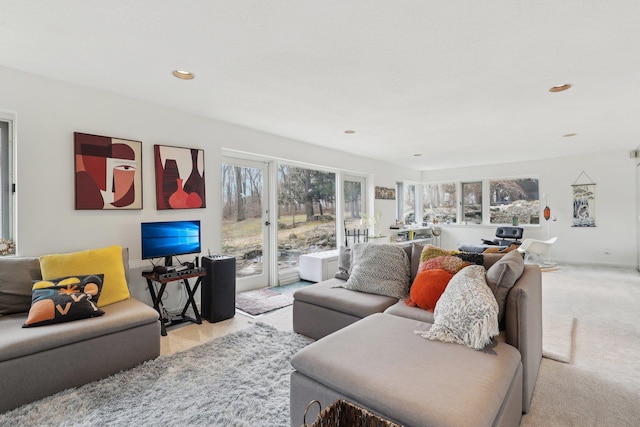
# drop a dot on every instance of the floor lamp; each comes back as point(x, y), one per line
point(547, 217)
point(436, 231)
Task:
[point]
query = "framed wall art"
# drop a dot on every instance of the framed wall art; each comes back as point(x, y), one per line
point(385, 193)
point(179, 177)
point(108, 172)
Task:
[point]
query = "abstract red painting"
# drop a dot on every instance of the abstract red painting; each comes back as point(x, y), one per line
point(108, 172)
point(179, 177)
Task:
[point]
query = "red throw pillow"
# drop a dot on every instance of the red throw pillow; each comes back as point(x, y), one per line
point(428, 287)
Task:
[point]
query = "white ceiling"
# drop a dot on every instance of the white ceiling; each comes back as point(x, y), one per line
point(461, 82)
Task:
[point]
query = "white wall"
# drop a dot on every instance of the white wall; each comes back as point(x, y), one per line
point(48, 112)
point(615, 231)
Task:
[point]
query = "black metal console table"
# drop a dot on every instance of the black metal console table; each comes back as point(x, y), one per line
point(163, 279)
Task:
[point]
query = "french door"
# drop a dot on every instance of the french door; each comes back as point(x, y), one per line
point(638, 213)
point(246, 220)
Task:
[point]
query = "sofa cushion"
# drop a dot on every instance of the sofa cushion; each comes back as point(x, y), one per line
point(501, 277)
point(16, 275)
point(108, 261)
point(64, 300)
point(344, 263)
point(467, 312)
point(412, 380)
point(428, 287)
point(379, 269)
point(416, 313)
point(332, 295)
point(416, 251)
point(19, 342)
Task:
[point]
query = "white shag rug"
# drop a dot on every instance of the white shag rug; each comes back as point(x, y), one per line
point(241, 379)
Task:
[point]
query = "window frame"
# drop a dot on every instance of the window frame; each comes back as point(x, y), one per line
point(7, 181)
point(491, 203)
point(456, 184)
point(463, 202)
point(417, 202)
point(460, 202)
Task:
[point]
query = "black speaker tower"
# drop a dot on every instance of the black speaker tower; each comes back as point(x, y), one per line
point(218, 288)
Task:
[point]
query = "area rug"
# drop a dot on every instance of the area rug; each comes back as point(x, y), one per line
point(261, 301)
point(241, 379)
point(557, 337)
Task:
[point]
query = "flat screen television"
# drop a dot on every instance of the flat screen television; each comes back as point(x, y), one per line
point(167, 239)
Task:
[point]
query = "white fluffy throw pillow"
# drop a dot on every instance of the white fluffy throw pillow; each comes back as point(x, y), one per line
point(379, 269)
point(467, 311)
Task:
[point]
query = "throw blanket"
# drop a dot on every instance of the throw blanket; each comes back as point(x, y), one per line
point(467, 311)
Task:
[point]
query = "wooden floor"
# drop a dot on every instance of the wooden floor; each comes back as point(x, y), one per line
point(186, 335)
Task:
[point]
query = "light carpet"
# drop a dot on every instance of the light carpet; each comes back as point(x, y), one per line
point(241, 379)
point(261, 301)
point(557, 336)
point(601, 385)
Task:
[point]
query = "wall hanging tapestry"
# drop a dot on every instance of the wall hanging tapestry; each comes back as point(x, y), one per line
point(179, 177)
point(108, 172)
point(385, 193)
point(584, 202)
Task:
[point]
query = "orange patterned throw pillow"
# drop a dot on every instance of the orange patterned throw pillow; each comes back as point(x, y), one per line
point(449, 263)
point(427, 288)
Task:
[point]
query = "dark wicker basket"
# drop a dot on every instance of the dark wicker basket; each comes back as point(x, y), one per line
point(344, 414)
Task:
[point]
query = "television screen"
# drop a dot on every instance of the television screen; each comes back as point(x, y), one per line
point(169, 238)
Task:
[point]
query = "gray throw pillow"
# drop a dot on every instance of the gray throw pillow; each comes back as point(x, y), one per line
point(467, 312)
point(502, 275)
point(379, 269)
point(344, 263)
point(16, 275)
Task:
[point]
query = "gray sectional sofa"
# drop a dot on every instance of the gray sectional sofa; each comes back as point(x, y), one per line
point(40, 361)
point(368, 353)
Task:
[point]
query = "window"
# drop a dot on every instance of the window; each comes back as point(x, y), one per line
point(306, 212)
point(517, 198)
point(406, 199)
point(472, 202)
point(353, 188)
point(509, 199)
point(6, 177)
point(440, 203)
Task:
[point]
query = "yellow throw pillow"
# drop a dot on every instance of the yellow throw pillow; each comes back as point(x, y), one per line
point(106, 260)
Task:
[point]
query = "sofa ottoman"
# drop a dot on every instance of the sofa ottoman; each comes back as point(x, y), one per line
point(380, 364)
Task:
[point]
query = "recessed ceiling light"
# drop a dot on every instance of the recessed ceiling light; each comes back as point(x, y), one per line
point(349, 131)
point(184, 75)
point(568, 135)
point(560, 88)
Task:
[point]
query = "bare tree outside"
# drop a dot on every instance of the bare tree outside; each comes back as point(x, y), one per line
point(440, 203)
point(242, 217)
point(305, 217)
point(306, 213)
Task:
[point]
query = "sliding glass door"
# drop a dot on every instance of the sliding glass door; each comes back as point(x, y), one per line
point(245, 220)
point(306, 215)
